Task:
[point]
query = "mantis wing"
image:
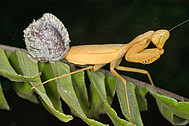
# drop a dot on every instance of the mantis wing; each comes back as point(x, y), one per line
point(93, 54)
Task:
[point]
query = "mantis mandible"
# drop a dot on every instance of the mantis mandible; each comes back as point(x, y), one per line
point(96, 56)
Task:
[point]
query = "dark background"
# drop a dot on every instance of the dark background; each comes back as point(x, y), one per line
point(98, 23)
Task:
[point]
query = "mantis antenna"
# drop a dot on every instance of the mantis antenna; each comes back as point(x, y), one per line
point(178, 25)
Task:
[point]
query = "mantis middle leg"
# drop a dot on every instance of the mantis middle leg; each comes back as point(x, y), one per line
point(129, 69)
point(113, 65)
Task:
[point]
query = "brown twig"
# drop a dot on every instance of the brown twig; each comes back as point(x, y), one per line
point(10, 48)
point(135, 81)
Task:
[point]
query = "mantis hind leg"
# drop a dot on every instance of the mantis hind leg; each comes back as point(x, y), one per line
point(64, 75)
point(129, 69)
point(92, 68)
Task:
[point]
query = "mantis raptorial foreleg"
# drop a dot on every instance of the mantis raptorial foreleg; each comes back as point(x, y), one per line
point(139, 54)
point(146, 56)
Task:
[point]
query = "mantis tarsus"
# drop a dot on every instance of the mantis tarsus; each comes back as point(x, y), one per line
point(96, 56)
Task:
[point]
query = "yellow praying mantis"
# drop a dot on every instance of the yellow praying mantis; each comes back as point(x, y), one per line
point(96, 56)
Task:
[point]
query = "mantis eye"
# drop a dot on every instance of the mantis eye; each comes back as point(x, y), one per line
point(160, 37)
point(47, 39)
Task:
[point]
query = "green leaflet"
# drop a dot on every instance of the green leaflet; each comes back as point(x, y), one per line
point(7, 71)
point(110, 84)
point(51, 87)
point(22, 89)
point(140, 95)
point(48, 104)
point(29, 68)
point(3, 102)
point(95, 101)
point(175, 112)
point(68, 94)
point(135, 113)
point(78, 80)
point(107, 87)
point(96, 82)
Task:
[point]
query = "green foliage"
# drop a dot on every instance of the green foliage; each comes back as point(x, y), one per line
point(17, 61)
point(84, 103)
point(135, 113)
point(7, 71)
point(175, 112)
point(3, 102)
point(97, 79)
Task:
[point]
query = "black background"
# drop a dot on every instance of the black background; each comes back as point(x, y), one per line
point(97, 23)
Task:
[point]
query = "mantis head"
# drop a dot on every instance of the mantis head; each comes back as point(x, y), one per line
point(160, 37)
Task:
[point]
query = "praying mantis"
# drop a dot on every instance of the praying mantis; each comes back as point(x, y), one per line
point(96, 56)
